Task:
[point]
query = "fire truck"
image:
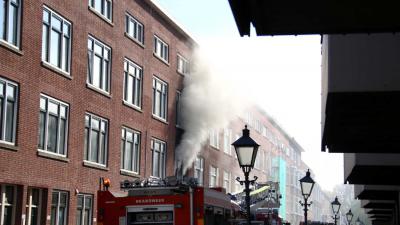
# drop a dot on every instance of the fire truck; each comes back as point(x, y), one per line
point(163, 202)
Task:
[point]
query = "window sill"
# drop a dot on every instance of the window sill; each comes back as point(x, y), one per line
point(159, 119)
point(98, 90)
point(161, 59)
point(94, 165)
point(214, 147)
point(134, 40)
point(109, 22)
point(180, 73)
point(11, 47)
point(128, 173)
point(227, 154)
point(57, 70)
point(8, 146)
point(132, 106)
point(49, 155)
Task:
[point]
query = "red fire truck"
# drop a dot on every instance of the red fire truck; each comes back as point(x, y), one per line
point(163, 203)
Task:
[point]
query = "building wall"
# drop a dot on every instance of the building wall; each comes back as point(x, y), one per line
point(20, 164)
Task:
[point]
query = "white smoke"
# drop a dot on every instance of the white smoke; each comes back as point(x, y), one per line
point(211, 98)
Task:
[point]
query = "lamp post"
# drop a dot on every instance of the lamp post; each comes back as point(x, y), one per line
point(349, 216)
point(246, 151)
point(306, 185)
point(335, 208)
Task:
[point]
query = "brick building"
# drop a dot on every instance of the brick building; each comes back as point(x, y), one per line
point(88, 89)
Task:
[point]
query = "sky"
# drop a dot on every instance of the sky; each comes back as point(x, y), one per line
point(282, 74)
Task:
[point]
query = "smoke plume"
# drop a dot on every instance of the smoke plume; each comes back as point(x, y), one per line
point(211, 98)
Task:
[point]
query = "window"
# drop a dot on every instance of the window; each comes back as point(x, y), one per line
point(227, 141)
point(134, 29)
point(227, 181)
point(96, 133)
point(238, 187)
point(132, 84)
point(104, 7)
point(84, 209)
point(59, 208)
point(161, 49)
point(199, 170)
point(158, 149)
point(214, 138)
point(8, 200)
point(178, 109)
point(56, 40)
point(257, 162)
point(33, 206)
point(160, 98)
point(213, 176)
point(8, 110)
point(183, 65)
point(10, 21)
point(130, 150)
point(99, 60)
point(53, 125)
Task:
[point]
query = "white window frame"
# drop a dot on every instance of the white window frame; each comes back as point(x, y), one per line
point(3, 203)
point(178, 109)
point(64, 48)
point(5, 97)
point(227, 181)
point(214, 175)
point(228, 141)
point(161, 49)
point(88, 147)
point(30, 205)
point(58, 206)
point(137, 76)
point(15, 40)
point(214, 138)
point(104, 13)
point(135, 154)
point(162, 93)
point(199, 167)
point(105, 59)
point(136, 30)
point(83, 208)
point(238, 187)
point(183, 66)
point(162, 167)
point(60, 104)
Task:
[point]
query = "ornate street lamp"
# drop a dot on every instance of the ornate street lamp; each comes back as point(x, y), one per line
point(335, 208)
point(349, 216)
point(246, 151)
point(307, 185)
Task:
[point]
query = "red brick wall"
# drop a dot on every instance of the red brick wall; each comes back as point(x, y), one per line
point(24, 166)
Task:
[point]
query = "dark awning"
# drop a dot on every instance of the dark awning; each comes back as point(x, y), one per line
point(316, 17)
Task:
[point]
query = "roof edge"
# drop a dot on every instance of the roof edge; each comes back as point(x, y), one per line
point(165, 15)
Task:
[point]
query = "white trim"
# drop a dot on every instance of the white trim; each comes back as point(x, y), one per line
point(100, 14)
point(61, 48)
point(51, 153)
point(128, 15)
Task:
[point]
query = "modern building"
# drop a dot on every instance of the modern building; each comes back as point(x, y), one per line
point(360, 85)
point(88, 89)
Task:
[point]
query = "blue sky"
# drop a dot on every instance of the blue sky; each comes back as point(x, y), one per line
point(202, 17)
point(282, 74)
